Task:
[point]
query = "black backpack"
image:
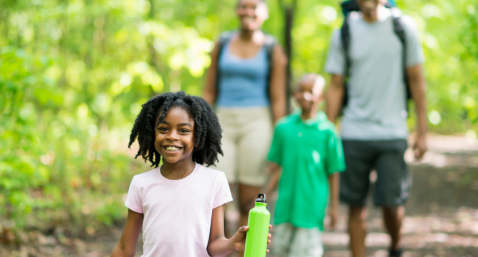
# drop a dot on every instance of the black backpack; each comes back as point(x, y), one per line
point(347, 8)
point(269, 44)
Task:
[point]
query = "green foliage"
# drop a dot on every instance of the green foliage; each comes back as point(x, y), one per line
point(73, 76)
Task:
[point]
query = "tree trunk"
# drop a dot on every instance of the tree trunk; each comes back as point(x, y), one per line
point(289, 10)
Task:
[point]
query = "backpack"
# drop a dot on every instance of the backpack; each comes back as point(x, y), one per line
point(269, 44)
point(352, 5)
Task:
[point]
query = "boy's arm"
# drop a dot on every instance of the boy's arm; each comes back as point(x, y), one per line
point(334, 198)
point(275, 171)
point(126, 247)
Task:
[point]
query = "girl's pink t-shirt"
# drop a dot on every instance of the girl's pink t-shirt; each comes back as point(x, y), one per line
point(177, 213)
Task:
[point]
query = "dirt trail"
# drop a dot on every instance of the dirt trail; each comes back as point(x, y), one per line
point(442, 214)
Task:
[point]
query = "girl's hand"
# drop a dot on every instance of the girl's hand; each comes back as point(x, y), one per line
point(238, 240)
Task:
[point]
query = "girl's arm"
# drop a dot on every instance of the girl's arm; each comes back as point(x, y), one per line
point(126, 247)
point(278, 84)
point(210, 89)
point(218, 244)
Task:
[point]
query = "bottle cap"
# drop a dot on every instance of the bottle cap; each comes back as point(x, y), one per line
point(261, 198)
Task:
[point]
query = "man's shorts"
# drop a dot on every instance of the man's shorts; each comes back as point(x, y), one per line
point(386, 157)
point(290, 241)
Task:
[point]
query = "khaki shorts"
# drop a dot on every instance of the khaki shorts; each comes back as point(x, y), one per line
point(246, 139)
point(290, 241)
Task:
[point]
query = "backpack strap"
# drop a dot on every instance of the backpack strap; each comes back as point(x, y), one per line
point(345, 40)
point(400, 32)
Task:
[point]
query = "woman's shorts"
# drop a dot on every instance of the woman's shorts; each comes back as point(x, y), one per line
point(246, 139)
point(290, 241)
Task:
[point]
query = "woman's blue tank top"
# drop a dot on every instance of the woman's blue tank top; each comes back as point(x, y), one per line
point(242, 81)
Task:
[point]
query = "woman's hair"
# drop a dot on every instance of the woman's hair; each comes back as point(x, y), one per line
point(207, 131)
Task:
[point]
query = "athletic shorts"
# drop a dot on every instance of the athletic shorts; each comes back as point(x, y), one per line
point(246, 139)
point(290, 241)
point(386, 157)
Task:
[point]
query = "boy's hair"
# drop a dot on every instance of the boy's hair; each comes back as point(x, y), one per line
point(207, 131)
point(319, 81)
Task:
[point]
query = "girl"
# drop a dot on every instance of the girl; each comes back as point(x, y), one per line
point(179, 205)
point(246, 84)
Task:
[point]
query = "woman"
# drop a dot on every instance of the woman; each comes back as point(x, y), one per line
point(246, 83)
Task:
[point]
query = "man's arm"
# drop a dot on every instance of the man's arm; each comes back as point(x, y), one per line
point(416, 81)
point(334, 97)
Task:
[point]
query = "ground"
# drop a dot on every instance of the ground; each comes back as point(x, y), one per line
point(442, 214)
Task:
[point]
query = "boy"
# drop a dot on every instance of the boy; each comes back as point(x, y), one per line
point(309, 152)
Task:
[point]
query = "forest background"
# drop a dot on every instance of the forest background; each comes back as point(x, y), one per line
point(73, 76)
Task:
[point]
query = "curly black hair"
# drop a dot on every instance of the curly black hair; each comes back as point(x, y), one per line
point(207, 131)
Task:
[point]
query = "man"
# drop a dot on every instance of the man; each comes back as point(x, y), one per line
point(373, 126)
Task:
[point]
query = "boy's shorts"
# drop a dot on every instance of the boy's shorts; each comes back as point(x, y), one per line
point(393, 179)
point(290, 241)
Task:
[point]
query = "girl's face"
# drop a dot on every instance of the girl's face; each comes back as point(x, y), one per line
point(174, 136)
point(252, 13)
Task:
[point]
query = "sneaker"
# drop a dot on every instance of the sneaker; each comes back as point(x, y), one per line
point(395, 253)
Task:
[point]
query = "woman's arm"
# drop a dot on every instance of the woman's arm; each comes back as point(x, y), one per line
point(218, 244)
point(278, 83)
point(210, 89)
point(126, 247)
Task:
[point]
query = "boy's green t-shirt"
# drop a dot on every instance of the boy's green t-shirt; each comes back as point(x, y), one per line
point(308, 151)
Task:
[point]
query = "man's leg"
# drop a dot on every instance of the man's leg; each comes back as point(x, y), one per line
point(392, 217)
point(354, 185)
point(392, 188)
point(357, 228)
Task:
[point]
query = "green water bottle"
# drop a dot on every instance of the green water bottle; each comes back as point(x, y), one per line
point(256, 238)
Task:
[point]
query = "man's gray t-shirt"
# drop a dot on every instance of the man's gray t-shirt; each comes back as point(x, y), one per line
point(376, 108)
